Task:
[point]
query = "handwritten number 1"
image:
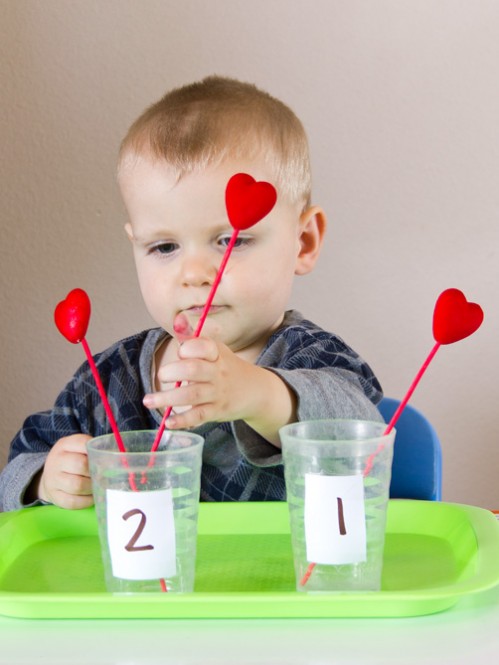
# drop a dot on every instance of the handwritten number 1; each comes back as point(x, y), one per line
point(341, 517)
point(131, 546)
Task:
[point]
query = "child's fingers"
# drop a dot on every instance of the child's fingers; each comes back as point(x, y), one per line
point(71, 501)
point(72, 455)
point(66, 490)
point(74, 483)
point(194, 417)
point(75, 443)
point(66, 474)
point(199, 347)
point(192, 369)
point(186, 395)
point(75, 464)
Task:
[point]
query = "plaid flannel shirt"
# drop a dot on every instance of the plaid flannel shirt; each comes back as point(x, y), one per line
point(328, 378)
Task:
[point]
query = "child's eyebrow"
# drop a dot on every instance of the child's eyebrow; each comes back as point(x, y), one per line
point(165, 233)
point(153, 235)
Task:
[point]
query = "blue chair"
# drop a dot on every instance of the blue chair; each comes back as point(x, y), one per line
point(417, 454)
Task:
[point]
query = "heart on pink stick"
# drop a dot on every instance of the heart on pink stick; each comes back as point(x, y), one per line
point(454, 317)
point(72, 315)
point(248, 201)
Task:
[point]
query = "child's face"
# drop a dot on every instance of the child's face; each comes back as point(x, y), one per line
point(179, 234)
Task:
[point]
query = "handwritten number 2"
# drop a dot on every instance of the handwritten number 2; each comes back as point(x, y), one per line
point(131, 546)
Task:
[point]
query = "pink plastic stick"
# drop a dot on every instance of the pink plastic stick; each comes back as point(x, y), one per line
point(412, 388)
point(107, 407)
point(401, 406)
point(103, 396)
point(216, 282)
point(200, 325)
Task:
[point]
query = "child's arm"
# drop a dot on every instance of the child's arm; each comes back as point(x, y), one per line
point(65, 477)
point(305, 373)
point(219, 386)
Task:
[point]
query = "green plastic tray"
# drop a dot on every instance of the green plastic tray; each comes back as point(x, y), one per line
point(50, 565)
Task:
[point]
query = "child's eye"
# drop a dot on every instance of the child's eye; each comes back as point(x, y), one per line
point(241, 241)
point(163, 248)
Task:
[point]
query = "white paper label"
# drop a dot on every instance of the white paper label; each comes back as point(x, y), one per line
point(335, 523)
point(141, 534)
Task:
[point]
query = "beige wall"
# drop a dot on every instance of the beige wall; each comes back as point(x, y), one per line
point(401, 102)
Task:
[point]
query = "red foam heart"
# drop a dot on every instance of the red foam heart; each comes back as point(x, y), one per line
point(248, 201)
point(454, 317)
point(72, 315)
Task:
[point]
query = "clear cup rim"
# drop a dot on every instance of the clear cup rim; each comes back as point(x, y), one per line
point(290, 432)
point(196, 441)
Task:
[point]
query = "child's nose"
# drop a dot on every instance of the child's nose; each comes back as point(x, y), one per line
point(198, 269)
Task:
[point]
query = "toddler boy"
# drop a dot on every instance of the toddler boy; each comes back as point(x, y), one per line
point(256, 366)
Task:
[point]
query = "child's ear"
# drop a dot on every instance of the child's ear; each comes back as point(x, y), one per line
point(312, 228)
point(129, 232)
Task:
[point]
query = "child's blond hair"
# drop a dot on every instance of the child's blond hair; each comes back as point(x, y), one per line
point(219, 118)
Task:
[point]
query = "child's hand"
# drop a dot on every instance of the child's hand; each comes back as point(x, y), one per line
point(65, 478)
point(219, 386)
point(212, 380)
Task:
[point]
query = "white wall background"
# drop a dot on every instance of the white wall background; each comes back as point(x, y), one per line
point(401, 102)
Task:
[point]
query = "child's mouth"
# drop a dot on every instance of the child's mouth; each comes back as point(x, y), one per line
point(197, 310)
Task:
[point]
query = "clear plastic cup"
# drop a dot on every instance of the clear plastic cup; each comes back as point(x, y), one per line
point(147, 509)
point(337, 475)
